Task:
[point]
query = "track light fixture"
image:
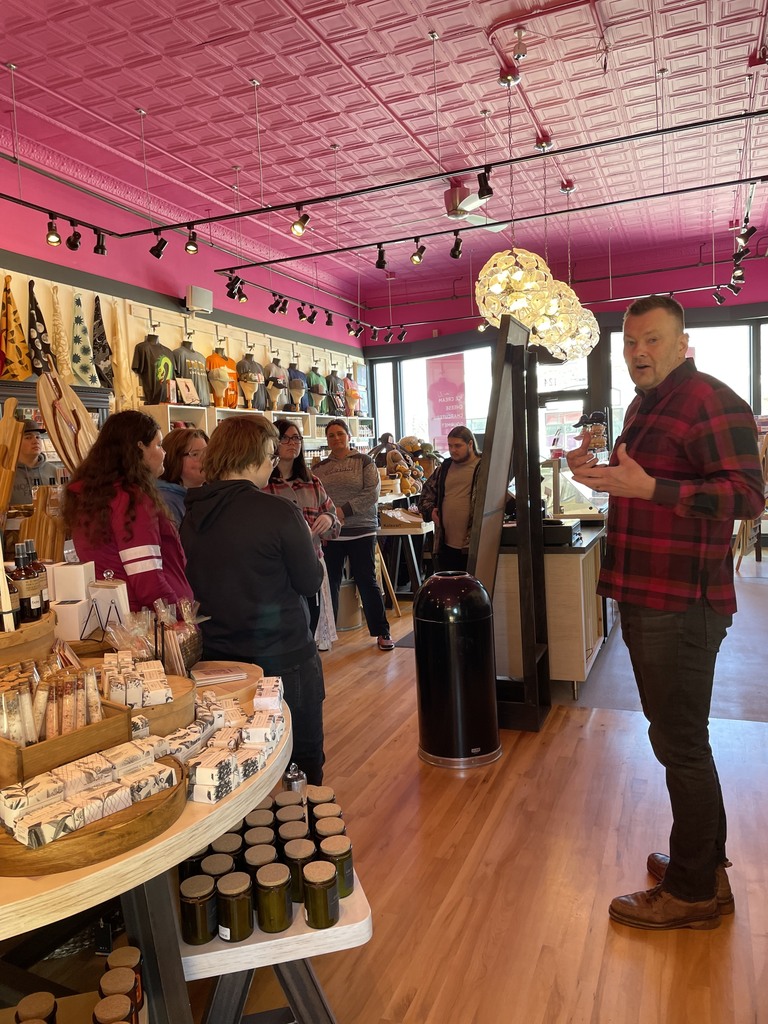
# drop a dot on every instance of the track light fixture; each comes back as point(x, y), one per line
point(456, 247)
point(73, 241)
point(543, 143)
point(328, 319)
point(190, 245)
point(272, 307)
point(158, 248)
point(418, 254)
point(484, 190)
point(233, 285)
point(402, 334)
point(718, 296)
point(312, 315)
point(740, 255)
point(737, 277)
point(358, 330)
point(300, 312)
point(482, 326)
point(283, 307)
point(240, 294)
point(374, 334)
point(52, 235)
point(567, 186)
point(350, 328)
point(388, 338)
point(100, 248)
point(734, 287)
point(299, 226)
point(381, 259)
point(746, 233)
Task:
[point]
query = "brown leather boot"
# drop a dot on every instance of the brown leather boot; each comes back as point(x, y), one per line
point(659, 862)
point(657, 909)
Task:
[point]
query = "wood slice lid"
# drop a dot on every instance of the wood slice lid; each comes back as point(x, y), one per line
point(293, 813)
point(258, 856)
point(259, 819)
point(233, 884)
point(319, 872)
point(197, 887)
point(300, 849)
point(118, 980)
point(36, 1004)
point(112, 1010)
point(272, 875)
point(230, 843)
point(293, 830)
point(260, 835)
point(217, 864)
point(329, 827)
point(264, 805)
point(238, 826)
point(320, 795)
point(336, 846)
point(287, 798)
point(329, 810)
point(127, 956)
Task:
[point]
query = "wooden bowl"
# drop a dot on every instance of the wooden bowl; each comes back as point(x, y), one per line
point(109, 837)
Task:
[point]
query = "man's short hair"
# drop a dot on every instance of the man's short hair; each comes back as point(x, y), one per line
point(641, 306)
point(464, 434)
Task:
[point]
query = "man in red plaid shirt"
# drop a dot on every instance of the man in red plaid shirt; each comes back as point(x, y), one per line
point(684, 467)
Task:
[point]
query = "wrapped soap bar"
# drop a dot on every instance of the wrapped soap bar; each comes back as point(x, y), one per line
point(210, 794)
point(139, 727)
point(228, 737)
point(212, 766)
point(17, 800)
point(134, 689)
point(86, 772)
point(45, 824)
point(142, 782)
point(268, 694)
point(126, 756)
point(158, 746)
point(91, 804)
point(263, 727)
point(155, 692)
point(114, 796)
point(250, 760)
point(183, 744)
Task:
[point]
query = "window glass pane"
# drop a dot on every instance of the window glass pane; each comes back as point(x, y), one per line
point(385, 398)
point(764, 369)
point(722, 352)
point(570, 376)
point(442, 392)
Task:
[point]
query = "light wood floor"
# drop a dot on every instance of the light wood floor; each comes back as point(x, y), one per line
point(490, 887)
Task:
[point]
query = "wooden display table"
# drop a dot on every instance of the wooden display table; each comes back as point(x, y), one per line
point(575, 626)
point(402, 537)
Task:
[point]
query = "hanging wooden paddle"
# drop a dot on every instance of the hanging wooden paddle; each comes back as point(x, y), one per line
point(69, 424)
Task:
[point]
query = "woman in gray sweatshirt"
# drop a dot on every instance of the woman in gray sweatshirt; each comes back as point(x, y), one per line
point(352, 482)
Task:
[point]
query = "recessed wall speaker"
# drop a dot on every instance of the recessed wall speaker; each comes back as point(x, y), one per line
point(199, 300)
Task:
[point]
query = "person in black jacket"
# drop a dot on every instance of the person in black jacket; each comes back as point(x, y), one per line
point(252, 565)
point(448, 499)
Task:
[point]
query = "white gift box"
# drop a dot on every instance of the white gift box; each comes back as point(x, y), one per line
point(72, 579)
point(71, 617)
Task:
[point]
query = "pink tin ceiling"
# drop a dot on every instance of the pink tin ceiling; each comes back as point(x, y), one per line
point(367, 77)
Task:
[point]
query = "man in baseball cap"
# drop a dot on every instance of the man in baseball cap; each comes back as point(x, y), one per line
point(32, 468)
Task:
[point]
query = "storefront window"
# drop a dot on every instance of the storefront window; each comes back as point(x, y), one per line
point(446, 391)
point(722, 352)
point(384, 389)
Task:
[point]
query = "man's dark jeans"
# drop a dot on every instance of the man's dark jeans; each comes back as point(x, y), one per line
point(673, 656)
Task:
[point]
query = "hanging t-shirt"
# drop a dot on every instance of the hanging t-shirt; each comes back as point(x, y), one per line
point(351, 396)
point(295, 374)
point(153, 362)
point(335, 394)
point(278, 378)
point(214, 362)
point(191, 364)
point(248, 369)
point(317, 389)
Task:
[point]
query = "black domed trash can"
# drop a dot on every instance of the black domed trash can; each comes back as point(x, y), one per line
point(455, 672)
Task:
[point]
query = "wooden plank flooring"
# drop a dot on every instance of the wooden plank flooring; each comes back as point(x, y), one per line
point(490, 887)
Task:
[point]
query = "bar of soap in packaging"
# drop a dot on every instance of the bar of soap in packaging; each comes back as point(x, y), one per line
point(134, 689)
point(263, 727)
point(268, 695)
point(250, 760)
point(228, 737)
point(212, 767)
point(114, 797)
point(45, 824)
point(139, 727)
point(92, 805)
point(93, 770)
point(155, 692)
point(71, 618)
point(183, 744)
point(20, 799)
point(125, 757)
point(210, 794)
point(157, 745)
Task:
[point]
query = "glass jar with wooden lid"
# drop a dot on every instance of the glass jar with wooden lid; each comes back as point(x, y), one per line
point(261, 818)
point(197, 909)
point(37, 1006)
point(130, 956)
point(288, 798)
point(297, 853)
point(234, 906)
point(320, 795)
point(261, 835)
point(294, 812)
point(217, 864)
point(338, 850)
point(257, 856)
point(273, 898)
point(230, 843)
point(326, 827)
point(112, 1010)
point(321, 894)
point(121, 981)
point(293, 830)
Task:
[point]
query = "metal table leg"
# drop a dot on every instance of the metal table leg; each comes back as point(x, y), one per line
point(302, 989)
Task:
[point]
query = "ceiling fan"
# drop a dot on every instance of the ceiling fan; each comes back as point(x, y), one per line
point(460, 202)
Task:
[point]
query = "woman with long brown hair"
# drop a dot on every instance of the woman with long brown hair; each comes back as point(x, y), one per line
point(116, 517)
point(183, 468)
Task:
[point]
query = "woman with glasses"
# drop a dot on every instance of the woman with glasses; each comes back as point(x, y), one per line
point(292, 479)
point(252, 565)
point(183, 468)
